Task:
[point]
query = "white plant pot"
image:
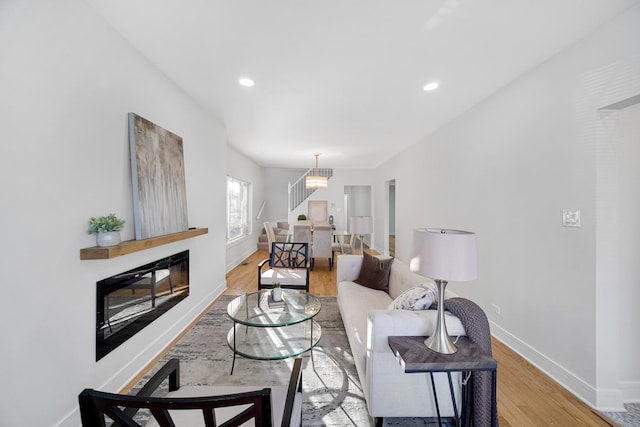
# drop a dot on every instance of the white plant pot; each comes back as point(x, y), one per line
point(111, 238)
point(276, 294)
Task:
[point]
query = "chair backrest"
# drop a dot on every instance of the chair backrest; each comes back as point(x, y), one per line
point(256, 405)
point(271, 236)
point(321, 244)
point(302, 233)
point(289, 255)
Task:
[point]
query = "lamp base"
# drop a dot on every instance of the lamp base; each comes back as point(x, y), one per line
point(440, 341)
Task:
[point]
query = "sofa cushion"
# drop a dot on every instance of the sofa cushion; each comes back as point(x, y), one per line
point(374, 273)
point(355, 301)
point(418, 298)
point(402, 278)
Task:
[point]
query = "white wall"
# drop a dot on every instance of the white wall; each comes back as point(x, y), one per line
point(506, 169)
point(276, 193)
point(629, 169)
point(245, 169)
point(334, 194)
point(67, 83)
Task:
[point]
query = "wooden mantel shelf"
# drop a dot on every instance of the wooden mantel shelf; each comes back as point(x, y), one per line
point(130, 246)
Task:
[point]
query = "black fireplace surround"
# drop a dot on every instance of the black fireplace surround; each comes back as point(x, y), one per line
point(129, 301)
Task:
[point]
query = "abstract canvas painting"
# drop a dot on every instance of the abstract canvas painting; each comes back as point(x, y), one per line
point(159, 187)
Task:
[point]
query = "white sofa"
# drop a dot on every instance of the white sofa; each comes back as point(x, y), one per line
point(368, 322)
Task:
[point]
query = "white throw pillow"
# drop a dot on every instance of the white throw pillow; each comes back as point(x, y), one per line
point(418, 298)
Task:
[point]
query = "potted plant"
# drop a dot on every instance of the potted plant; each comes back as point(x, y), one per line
point(107, 229)
point(276, 292)
point(302, 217)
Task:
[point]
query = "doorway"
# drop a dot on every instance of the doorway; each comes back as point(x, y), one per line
point(628, 150)
point(357, 202)
point(391, 215)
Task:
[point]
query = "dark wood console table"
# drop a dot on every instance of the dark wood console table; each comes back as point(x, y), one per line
point(415, 357)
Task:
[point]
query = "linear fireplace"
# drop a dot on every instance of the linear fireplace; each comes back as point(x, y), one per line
point(129, 301)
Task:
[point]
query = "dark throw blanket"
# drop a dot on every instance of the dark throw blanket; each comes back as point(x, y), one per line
point(476, 324)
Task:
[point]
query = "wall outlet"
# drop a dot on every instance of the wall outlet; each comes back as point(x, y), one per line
point(571, 218)
point(495, 308)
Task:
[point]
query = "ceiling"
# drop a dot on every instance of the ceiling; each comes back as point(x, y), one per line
point(344, 77)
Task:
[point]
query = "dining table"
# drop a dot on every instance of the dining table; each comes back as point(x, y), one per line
point(338, 235)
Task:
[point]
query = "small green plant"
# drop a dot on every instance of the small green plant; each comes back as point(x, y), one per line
point(276, 285)
point(105, 224)
point(302, 217)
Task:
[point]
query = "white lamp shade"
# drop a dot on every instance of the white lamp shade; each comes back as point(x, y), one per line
point(361, 224)
point(443, 254)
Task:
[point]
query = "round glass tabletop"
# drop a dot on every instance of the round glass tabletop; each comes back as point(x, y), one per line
point(259, 310)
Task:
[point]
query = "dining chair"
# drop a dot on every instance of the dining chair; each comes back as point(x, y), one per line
point(344, 248)
point(321, 244)
point(302, 233)
point(271, 237)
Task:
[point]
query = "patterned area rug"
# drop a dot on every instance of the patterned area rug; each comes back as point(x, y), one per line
point(332, 392)
point(630, 418)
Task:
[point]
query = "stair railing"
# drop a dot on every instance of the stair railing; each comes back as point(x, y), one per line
point(298, 191)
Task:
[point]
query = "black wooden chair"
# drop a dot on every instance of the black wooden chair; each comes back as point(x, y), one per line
point(226, 406)
point(287, 265)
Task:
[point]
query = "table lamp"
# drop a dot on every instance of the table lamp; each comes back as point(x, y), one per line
point(443, 255)
point(361, 225)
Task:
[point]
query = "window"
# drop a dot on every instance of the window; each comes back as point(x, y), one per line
point(237, 208)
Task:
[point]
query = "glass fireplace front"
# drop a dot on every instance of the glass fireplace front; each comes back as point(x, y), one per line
point(129, 301)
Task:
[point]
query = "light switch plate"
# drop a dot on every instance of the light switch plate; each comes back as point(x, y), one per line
point(571, 218)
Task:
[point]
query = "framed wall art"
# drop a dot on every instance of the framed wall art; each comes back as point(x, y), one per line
point(159, 186)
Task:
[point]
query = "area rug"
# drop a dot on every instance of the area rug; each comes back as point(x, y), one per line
point(630, 418)
point(332, 392)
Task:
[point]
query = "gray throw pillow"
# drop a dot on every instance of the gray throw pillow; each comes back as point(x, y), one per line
point(375, 272)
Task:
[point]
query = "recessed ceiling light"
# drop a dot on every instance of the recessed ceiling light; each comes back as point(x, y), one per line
point(246, 82)
point(431, 86)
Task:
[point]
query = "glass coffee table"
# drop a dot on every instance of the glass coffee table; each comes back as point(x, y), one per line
point(264, 329)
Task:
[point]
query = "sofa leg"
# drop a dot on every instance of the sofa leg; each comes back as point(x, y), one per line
point(379, 421)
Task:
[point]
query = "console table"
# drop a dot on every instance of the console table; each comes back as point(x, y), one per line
point(415, 357)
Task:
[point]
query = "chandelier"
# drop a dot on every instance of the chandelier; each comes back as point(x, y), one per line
point(316, 181)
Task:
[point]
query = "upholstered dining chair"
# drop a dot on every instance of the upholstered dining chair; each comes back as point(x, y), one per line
point(197, 405)
point(321, 244)
point(302, 233)
point(271, 236)
point(344, 248)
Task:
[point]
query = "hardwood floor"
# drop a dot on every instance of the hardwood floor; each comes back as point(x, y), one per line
point(526, 396)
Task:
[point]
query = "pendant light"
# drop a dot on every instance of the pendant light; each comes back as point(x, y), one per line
point(316, 181)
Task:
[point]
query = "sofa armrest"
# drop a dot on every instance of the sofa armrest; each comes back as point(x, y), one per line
point(381, 324)
point(348, 268)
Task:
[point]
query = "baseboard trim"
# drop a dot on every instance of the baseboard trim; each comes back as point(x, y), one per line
point(564, 377)
point(238, 259)
point(598, 399)
point(126, 374)
point(630, 391)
